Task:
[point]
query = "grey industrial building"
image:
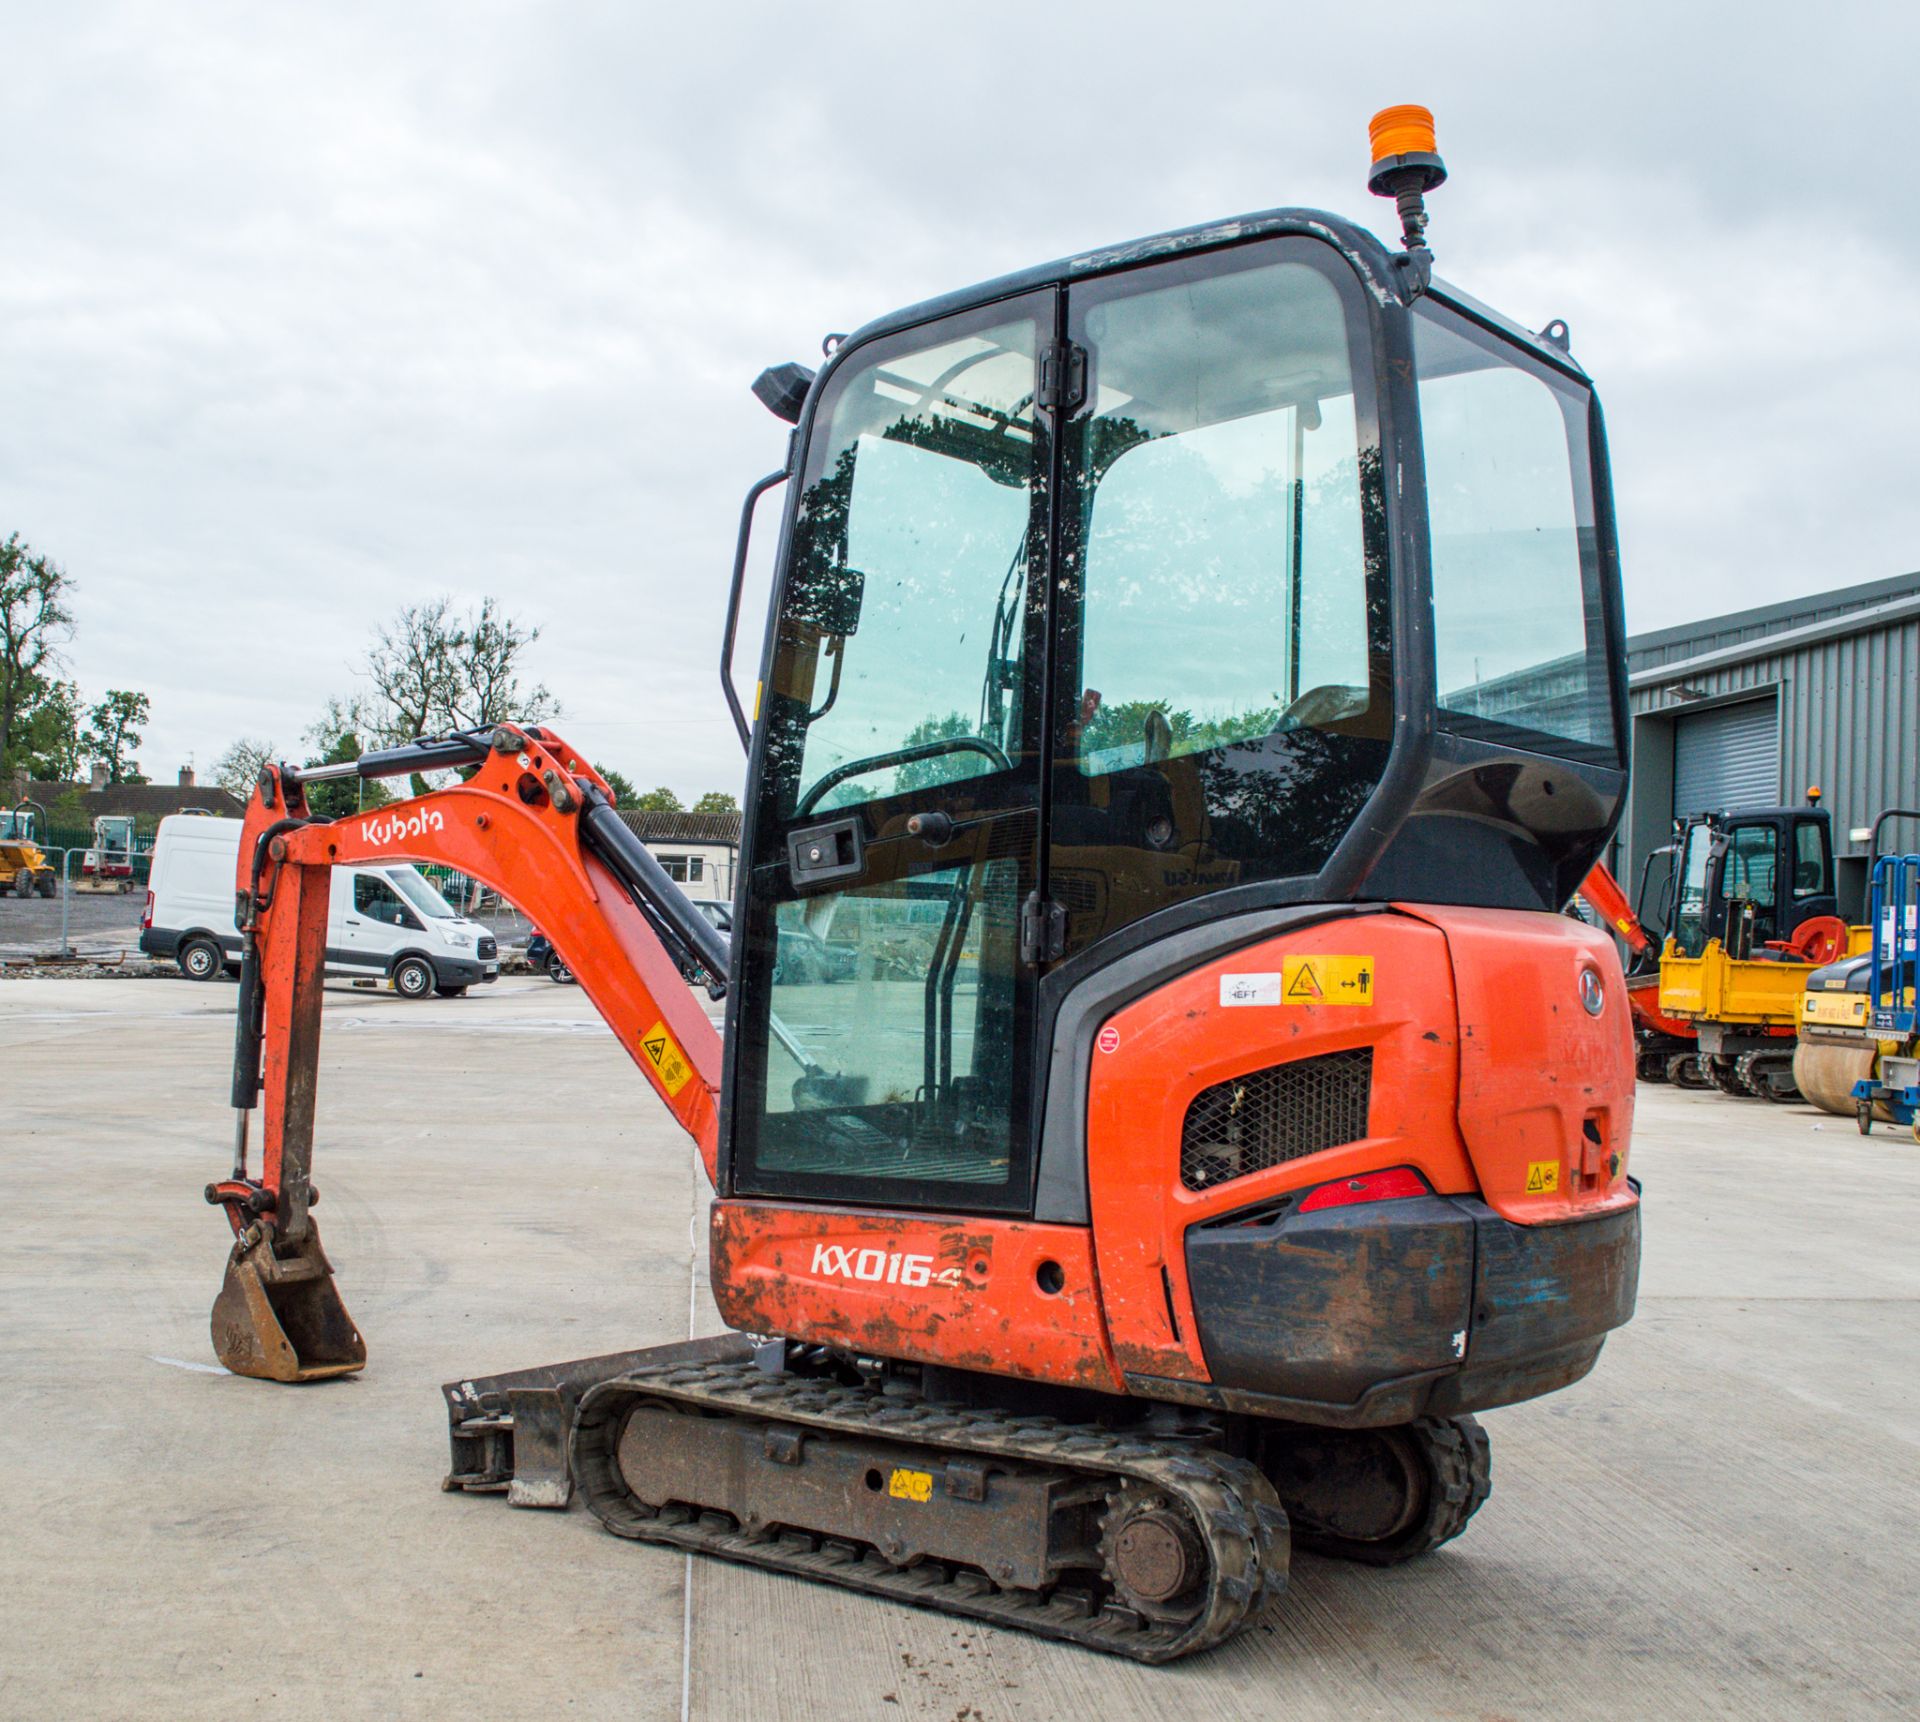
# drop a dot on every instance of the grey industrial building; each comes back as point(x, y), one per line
point(1757, 707)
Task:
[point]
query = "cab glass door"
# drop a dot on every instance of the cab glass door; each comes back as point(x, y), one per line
point(882, 1037)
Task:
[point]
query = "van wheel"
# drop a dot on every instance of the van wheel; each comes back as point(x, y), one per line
point(201, 960)
point(413, 978)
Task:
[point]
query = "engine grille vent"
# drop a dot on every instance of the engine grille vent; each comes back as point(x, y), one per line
point(1268, 1117)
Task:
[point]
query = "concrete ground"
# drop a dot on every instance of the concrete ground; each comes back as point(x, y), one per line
point(1721, 1521)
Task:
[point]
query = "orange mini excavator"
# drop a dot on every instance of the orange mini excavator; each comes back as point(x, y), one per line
point(1160, 1100)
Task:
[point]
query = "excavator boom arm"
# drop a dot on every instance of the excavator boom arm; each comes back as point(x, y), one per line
point(1602, 891)
point(537, 825)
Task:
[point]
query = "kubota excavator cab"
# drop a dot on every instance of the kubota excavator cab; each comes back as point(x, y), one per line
point(1125, 606)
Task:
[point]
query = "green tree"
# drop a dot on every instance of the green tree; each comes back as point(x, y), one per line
point(619, 783)
point(661, 800)
point(940, 768)
point(34, 624)
point(336, 739)
point(112, 737)
point(716, 801)
point(49, 734)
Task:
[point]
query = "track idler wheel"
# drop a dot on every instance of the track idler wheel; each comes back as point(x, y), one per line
point(1724, 1074)
point(1153, 1554)
point(1683, 1071)
point(1380, 1496)
point(279, 1316)
point(1768, 1076)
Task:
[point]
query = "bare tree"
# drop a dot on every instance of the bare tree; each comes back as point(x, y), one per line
point(34, 624)
point(486, 673)
point(411, 666)
point(435, 669)
point(238, 769)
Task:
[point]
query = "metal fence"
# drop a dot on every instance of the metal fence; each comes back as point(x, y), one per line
point(69, 862)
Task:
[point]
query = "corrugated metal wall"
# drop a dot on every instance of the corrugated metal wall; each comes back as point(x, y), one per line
point(1849, 722)
point(1670, 645)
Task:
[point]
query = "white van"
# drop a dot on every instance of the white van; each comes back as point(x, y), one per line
point(384, 921)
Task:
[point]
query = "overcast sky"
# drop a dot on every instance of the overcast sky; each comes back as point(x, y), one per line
point(309, 311)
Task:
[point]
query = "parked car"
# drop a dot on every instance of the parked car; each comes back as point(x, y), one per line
point(803, 958)
point(382, 921)
point(545, 960)
point(720, 915)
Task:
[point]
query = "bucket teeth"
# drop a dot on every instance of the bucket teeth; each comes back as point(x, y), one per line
point(279, 1316)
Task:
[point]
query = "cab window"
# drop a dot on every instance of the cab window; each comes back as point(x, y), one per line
point(1751, 865)
point(1690, 914)
point(1812, 867)
point(378, 901)
point(1518, 630)
point(900, 666)
point(1225, 592)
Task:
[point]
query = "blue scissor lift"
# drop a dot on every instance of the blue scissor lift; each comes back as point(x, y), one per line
point(1894, 915)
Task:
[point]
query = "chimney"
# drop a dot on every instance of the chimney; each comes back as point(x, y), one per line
point(186, 777)
point(99, 777)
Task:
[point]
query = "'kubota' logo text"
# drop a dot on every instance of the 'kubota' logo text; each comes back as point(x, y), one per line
point(392, 827)
point(889, 1267)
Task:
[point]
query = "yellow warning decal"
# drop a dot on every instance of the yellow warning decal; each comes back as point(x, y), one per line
point(669, 1062)
point(1327, 980)
point(911, 1485)
point(1542, 1176)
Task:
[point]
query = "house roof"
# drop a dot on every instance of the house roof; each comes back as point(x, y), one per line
point(156, 800)
point(651, 827)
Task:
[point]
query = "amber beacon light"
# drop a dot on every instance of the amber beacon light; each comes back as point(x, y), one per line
point(1406, 166)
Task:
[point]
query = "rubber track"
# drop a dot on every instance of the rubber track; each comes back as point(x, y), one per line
point(1230, 1502)
point(1462, 1478)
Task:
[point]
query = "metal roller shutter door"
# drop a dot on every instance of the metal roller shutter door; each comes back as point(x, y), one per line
point(1727, 757)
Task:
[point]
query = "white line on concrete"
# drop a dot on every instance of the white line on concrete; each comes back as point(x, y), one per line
point(197, 1368)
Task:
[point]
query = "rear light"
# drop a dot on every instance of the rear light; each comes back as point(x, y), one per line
point(1385, 1186)
point(146, 915)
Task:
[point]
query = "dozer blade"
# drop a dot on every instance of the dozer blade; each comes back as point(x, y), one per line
point(279, 1316)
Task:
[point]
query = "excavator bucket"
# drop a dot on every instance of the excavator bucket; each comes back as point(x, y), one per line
point(279, 1316)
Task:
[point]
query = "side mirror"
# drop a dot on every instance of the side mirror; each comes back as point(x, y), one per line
point(782, 390)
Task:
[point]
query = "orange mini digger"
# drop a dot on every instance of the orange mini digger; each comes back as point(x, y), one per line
point(1160, 1101)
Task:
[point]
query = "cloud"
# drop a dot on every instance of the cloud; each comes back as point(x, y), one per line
point(310, 312)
